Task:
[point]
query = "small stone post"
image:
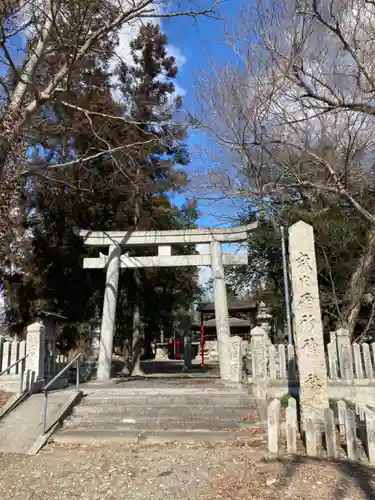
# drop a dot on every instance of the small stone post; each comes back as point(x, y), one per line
point(351, 437)
point(272, 362)
point(291, 426)
point(330, 432)
point(332, 360)
point(259, 357)
point(367, 360)
point(308, 324)
point(35, 355)
point(5, 355)
point(109, 314)
point(221, 309)
point(236, 360)
point(311, 436)
point(345, 353)
point(259, 351)
point(273, 426)
point(370, 433)
point(341, 409)
point(49, 346)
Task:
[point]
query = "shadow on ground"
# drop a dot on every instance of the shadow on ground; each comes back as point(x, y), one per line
point(156, 369)
point(351, 473)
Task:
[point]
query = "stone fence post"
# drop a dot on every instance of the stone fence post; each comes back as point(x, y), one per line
point(236, 364)
point(345, 354)
point(49, 346)
point(35, 355)
point(259, 354)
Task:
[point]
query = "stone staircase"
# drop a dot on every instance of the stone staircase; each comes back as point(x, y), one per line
point(153, 411)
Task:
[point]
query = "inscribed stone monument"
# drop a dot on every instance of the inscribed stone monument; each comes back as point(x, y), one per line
point(345, 354)
point(308, 323)
point(35, 352)
point(236, 360)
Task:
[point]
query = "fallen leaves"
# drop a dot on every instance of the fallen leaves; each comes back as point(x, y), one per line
point(249, 418)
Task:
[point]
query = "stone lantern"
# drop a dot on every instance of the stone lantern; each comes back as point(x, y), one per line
point(264, 318)
point(95, 331)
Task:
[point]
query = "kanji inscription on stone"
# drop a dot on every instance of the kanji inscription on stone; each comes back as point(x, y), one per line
point(307, 321)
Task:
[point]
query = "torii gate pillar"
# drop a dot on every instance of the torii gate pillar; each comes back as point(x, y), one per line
point(109, 314)
point(221, 309)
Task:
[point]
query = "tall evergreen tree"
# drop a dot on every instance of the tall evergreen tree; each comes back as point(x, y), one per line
point(127, 189)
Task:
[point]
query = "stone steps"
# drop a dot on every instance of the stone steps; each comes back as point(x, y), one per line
point(162, 412)
point(146, 424)
point(102, 404)
point(120, 406)
point(98, 393)
point(105, 437)
point(122, 411)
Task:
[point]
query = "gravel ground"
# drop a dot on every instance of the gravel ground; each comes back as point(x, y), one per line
point(181, 472)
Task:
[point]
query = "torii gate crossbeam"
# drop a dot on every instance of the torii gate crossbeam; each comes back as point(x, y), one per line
point(114, 261)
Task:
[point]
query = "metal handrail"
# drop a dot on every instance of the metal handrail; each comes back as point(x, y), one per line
point(15, 363)
point(76, 360)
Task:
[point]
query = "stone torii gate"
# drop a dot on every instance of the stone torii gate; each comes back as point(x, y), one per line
point(119, 240)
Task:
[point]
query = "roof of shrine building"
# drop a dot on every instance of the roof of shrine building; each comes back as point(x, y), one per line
point(235, 305)
point(233, 323)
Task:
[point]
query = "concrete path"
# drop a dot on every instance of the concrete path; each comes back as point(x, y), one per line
point(20, 429)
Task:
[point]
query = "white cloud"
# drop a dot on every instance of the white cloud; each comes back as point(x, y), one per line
point(179, 91)
point(175, 52)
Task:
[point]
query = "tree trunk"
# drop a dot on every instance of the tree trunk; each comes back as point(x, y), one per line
point(148, 340)
point(127, 356)
point(136, 346)
point(357, 287)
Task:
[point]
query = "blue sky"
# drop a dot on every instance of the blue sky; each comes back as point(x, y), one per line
point(195, 43)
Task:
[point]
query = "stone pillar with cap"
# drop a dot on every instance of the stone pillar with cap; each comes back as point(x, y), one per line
point(35, 349)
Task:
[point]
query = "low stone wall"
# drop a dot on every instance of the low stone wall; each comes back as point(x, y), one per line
point(346, 432)
point(350, 368)
point(359, 391)
point(40, 365)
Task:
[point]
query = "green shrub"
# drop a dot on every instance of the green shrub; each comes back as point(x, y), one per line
point(284, 400)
